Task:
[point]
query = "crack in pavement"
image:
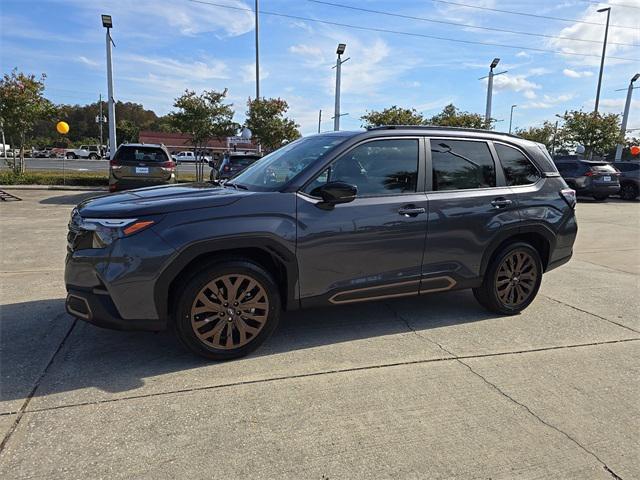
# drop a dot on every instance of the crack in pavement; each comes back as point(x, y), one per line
point(502, 392)
point(20, 413)
point(604, 266)
point(589, 313)
point(317, 374)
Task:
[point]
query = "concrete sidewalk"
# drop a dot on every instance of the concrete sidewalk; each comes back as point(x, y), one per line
point(433, 387)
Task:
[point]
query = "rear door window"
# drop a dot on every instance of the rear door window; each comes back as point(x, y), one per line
point(461, 165)
point(518, 169)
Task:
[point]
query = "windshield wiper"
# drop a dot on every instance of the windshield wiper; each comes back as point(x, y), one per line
point(237, 186)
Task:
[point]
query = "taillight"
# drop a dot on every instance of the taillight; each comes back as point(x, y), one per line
point(226, 168)
point(590, 173)
point(170, 165)
point(569, 196)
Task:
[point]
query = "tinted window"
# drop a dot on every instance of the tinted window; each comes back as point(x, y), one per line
point(518, 170)
point(461, 164)
point(140, 154)
point(565, 168)
point(627, 167)
point(380, 167)
point(242, 161)
point(602, 168)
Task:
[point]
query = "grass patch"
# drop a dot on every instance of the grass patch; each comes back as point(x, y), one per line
point(80, 179)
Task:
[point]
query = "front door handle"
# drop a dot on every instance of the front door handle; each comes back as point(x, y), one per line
point(411, 211)
point(501, 202)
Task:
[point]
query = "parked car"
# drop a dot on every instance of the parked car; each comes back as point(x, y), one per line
point(44, 153)
point(140, 165)
point(188, 156)
point(629, 179)
point(232, 164)
point(91, 152)
point(386, 213)
point(595, 179)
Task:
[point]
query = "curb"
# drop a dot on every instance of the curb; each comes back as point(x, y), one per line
point(54, 187)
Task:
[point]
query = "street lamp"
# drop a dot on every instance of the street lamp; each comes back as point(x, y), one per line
point(625, 117)
point(336, 116)
point(494, 64)
point(555, 133)
point(604, 50)
point(511, 117)
point(111, 106)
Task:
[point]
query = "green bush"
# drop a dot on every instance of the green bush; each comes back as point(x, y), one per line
point(84, 179)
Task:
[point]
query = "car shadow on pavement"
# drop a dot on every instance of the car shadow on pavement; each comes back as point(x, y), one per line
point(116, 361)
point(72, 199)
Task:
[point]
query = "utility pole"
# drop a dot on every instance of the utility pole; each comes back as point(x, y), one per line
point(511, 117)
point(338, 67)
point(111, 107)
point(257, 52)
point(319, 120)
point(625, 117)
point(604, 50)
point(487, 113)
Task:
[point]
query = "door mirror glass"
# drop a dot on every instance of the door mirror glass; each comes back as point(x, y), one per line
point(333, 193)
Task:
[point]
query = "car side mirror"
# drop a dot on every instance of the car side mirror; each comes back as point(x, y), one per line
point(334, 193)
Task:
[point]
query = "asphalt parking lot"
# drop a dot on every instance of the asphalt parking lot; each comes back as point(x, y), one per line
point(432, 387)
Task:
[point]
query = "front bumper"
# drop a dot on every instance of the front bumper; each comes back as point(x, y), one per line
point(96, 307)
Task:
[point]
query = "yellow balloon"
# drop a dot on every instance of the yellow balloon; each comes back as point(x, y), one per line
point(62, 128)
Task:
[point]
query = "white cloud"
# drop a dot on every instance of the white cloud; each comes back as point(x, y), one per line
point(594, 33)
point(549, 101)
point(86, 61)
point(523, 54)
point(248, 73)
point(207, 69)
point(516, 83)
point(539, 71)
point(567, 72)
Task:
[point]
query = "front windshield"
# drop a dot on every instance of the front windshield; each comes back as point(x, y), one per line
point(276, 169)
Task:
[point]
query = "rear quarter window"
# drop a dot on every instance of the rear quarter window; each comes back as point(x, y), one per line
point(518, 169)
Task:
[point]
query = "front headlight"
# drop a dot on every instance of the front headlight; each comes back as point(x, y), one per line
point(106, 230)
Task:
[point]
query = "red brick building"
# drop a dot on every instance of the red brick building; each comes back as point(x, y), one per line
point(177, 142)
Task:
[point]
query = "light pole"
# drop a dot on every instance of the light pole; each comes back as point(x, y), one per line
point(257, 53)
point(319, 120)
point(604, 50)
point(111, 106)
point(338, 67)
point(511, 117)
point(555, 133)
point(625, 117)
point(494, 64)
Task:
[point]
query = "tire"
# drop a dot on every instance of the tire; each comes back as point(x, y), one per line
point(93, 156)
point(629, 191)
point(70, 156)
point(600, 198)
point(197, 307)
point(524, 261)
point(214, 174)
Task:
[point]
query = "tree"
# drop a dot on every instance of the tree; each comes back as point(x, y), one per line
point(22, 105)
point(451, 116)
point(203, 117)
point(597, 133)
point(127, 131)
point(266, 120)
point(546, 134)
point(392, 116)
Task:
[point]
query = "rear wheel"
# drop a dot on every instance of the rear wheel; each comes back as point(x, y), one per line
point(227, 310)
point(70, 156)
point(601, 198)
point(93, 156)
point(512, 280)
point(629, 191)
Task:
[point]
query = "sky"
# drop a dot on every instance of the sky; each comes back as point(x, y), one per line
point(163, 47)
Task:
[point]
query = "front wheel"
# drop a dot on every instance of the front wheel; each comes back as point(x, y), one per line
point(70, 156)
point(93, 156)
point(227, 310)
point(512, 280)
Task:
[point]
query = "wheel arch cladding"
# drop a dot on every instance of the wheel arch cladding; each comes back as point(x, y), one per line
point(538, 238)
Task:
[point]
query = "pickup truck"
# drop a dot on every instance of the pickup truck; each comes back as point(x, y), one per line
point(92, 152)
point(188, 156)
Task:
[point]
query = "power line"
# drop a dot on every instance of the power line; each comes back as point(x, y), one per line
point(410, 34)
point(625, 5)
point(547, 17)
point(466, 25)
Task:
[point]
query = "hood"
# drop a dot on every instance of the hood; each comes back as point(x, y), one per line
point(159, 200)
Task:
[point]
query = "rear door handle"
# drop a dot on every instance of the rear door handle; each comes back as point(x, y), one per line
point(411, 211)
point(501, 202)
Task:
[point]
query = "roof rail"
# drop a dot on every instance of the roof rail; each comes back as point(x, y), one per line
point(440, 127)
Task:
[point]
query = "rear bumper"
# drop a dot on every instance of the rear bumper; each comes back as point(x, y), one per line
point(98, 309)
point(599, 190)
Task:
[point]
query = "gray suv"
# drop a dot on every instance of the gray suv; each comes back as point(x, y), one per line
point(329, 219)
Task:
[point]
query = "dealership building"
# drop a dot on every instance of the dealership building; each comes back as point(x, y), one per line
point(178, 142)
